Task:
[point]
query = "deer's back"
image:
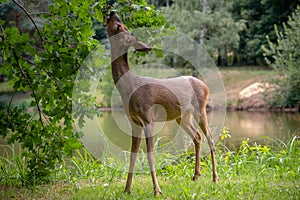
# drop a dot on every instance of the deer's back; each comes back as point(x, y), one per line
point(166, 99)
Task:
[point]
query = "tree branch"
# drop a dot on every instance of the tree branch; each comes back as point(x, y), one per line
point(33, 91)
point(29, 16)
point(2, 30)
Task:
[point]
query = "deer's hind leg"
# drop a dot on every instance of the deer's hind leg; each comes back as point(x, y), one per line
point(186, 122)
point(203, 123)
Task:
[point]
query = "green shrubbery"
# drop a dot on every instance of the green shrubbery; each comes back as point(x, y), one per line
point(284, 56)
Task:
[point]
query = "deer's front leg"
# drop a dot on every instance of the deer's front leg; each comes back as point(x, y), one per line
point(150, 156)
point(135, 145)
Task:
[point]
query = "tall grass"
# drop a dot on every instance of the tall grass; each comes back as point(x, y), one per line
point(13, 166)
point(252, 172)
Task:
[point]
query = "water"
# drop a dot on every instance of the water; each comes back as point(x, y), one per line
point(260, 127)
point(112, 131)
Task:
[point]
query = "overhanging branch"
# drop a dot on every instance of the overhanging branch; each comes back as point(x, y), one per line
point(32, 89)
point(29, 16)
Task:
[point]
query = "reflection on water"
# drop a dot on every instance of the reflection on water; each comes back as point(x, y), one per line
point(261, 127)
point(116, 126)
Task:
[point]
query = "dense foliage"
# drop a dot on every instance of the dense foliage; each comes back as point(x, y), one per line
point(260, 16)
point(233, 28)
point(284, 56)
point(210, 23)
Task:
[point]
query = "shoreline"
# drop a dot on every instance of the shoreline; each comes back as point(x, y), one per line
point(228, 108)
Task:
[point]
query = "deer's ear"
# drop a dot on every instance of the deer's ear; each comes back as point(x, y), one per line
point(140, 46)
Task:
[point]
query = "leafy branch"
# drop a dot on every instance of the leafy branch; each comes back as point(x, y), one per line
point(31, 87)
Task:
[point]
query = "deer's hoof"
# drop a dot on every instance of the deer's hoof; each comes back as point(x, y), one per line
point(215, 179)
point(195, 177)
point(127, 191)
point(157, 193)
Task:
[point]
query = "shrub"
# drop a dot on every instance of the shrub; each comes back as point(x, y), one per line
point(284, 56)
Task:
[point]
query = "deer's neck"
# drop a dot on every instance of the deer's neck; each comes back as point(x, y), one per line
point(122, 77)
point(120, 67)
point(119, 60)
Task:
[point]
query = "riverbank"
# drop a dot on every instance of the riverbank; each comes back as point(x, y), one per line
point(246, 89)
point(240, 93)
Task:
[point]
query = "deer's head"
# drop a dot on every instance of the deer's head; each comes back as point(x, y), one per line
point(119, 33)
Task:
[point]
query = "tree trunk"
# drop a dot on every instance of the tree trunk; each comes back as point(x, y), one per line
point(202, 32)
point(219, 62)
point(225, 58)
point(235, 59)
point(167, 3)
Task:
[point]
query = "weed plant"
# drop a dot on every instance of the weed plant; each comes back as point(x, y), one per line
point(253, 171)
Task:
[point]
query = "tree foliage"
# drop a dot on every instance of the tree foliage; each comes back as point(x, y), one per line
point(45, 61)
point(260, 16)
point(213, 21)
point(239, 25)
point(284, 56)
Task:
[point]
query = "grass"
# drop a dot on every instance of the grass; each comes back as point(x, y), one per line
point(5, 87)
point(251, 172)
point(233, 75)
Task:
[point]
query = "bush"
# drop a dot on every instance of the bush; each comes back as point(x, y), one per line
point(285, 58)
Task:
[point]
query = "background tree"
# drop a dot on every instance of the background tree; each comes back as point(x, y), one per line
point(284, 57)
point(160, 3)
point(208, 22)
point(260, 16)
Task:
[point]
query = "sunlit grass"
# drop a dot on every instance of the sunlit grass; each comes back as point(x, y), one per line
point(234, 75)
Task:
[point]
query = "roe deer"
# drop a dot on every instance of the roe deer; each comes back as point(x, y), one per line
point(182, 98)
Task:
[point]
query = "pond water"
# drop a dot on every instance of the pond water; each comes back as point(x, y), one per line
point(261, 127)
point(112, 131)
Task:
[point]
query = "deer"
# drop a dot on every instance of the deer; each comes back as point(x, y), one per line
point(147, 100)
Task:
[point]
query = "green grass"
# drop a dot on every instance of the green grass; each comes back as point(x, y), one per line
point(234, 75)
point(251, 172)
